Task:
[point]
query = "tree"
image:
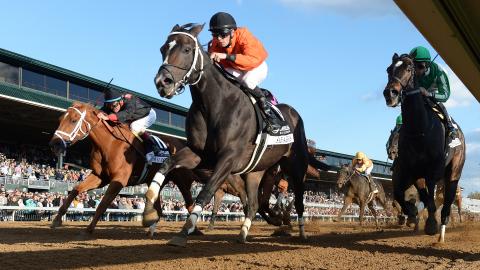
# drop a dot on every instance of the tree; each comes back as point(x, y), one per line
point(474, 195)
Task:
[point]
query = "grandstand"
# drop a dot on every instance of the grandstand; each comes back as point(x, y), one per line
point(33, 94)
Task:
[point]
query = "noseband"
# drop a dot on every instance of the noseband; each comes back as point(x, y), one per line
point(67, 138)
point(185, 80)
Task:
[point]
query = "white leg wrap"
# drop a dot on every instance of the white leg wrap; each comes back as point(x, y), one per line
point(442, 234)
point(246, 225)
point(157, 182)
point(152, 228)
point(197, 208)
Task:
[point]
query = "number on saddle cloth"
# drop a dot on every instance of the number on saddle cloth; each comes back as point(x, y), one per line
point(162, 154)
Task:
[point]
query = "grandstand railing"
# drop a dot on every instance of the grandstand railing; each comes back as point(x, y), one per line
point(17, 213)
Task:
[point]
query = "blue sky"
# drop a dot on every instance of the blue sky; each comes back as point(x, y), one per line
point(326, 58)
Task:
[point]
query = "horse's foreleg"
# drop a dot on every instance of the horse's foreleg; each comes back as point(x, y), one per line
point(91, 182)
point(184, 158)
point(362, 211)
point(431, 224)
point(112, 191)
point(217, 201)
point(346, 203)
point(222, 170)
point(450, 193)
point(374, 212)
point(253, 182)
point(459, 208)
point(151, 230)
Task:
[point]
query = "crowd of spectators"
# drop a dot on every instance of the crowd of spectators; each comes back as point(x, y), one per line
point(34, 164)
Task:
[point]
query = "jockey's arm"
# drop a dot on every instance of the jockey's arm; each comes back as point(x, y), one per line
point(441, 92)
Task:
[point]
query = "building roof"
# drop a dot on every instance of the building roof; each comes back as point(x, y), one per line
point(453, 28)
point(49, 69)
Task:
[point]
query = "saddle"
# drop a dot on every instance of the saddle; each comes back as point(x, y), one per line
point(450, 145)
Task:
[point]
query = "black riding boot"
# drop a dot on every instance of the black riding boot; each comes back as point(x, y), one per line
point(150, 145)
point(272, 121)
point(452, 132)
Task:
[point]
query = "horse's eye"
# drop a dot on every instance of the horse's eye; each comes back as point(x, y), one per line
point(74, 121)
point(187, 50)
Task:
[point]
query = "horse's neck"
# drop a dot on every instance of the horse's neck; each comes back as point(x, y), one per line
point(102, 137)
point(214, 91)
point(415, 115)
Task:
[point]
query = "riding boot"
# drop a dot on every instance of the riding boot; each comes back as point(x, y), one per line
point(273, 122)
point(373, 186)
point(150, 146)
point(452, 132)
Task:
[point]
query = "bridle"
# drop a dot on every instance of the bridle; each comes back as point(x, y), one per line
point(403, 91)
point(67, 138)
point(343, 183)
point(179, 85)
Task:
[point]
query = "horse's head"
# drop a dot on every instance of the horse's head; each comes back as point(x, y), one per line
point(392, 146)
point(182, 60)
point(74, 126)
point(344, 175)
point(400, 78)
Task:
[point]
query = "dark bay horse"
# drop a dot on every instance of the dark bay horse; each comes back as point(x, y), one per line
point(392, 151)
point(221, 128)
point(357, 190)
point(117, 159)
point(422, 146)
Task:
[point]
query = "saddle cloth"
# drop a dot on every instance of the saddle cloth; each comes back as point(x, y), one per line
point(163, 154)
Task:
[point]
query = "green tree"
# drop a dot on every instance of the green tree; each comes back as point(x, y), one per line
point(474, 195)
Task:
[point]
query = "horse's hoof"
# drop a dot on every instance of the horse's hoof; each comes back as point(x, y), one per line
point(242, 237)
point(412, 221)
point(196, 232)
point(281, 233)
point(178, 241)
point(431, 226)
point(55, 224)
point(150, 216)
point(401, 220)
point(89, 230)
point(149, 234)
point(303, 237)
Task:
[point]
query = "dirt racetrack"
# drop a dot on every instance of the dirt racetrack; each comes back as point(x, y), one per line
point(114, 245)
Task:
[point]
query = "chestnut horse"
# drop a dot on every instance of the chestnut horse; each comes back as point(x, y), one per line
point(117, 159)
point(422, 146)
point(221, 128)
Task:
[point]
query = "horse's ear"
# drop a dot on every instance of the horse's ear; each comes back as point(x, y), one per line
point(394, 57)
point(196, 29)
point(175, 28)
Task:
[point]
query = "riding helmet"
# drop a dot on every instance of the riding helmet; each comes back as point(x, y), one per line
point(420, 54)
point(222, 22)
point(112, 95)
point(360, 155)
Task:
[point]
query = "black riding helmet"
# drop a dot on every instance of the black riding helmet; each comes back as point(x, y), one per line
point(222, 23)
point(112, 95)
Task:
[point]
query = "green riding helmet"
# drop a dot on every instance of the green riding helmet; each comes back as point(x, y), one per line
point(420, 54)
point(399, 120)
